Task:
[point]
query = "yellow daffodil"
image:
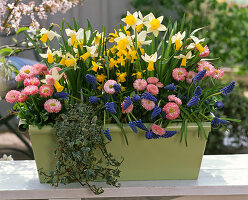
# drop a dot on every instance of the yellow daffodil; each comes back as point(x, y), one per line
point(154, 25)
point(56, 76)
point(123, 88)
point(132, 20)
point(49, 55)
point(121, 77)
point(138, 74)
point(95, 66)
point(141, 38)
point(196, 44)
point(177, 39)
point(132, 54)
point(142, 51)
point(123, 42)
point(70, 61)
point(99, 87)
point(184, 58)
point(101, 78)
point(121, 60)
point(151, 60)
point(113, 36)
point(112, 63)
point(91, 52)
point(47, 35)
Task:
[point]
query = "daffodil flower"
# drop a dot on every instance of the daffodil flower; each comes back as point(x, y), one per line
point(91, 52)
point(47, 35)
point(177, 39)
point(121, 77)
point(95, 66)
point(141, 38)
point(132, 20)
point(73, 37)
point(112, 63)
point(138, 74)
point(123, 42)
point(82, 36)
point(196, 44)
point(154, 25)
point(56, 77)
point(49, 55)
point(151, 60)
point(101, 78)
point(184, 58)
point(113, 36)
point(98, 38)
point(143, 19)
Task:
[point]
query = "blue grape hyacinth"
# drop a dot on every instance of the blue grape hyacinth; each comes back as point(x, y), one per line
point(136, 98)
point(133, 126)
point(170, 87)
point(226, 90)
point(62, 95)
point(156, 111)
point(110, 107)
point(140, 125)
point(94, 99)
point(92, 80)
point(117, 87)
point(127, 103)
point(198, 91)
point(148, 96)
point(218, 105)
point(193, 101)
point(199, 76)
point(107, 134)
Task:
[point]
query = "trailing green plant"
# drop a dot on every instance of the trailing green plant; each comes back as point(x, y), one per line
point(82, 148)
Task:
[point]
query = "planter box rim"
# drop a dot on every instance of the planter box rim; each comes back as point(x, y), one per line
point(115, 126)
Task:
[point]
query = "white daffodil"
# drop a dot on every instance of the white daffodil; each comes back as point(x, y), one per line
point(47, 34)
point(151, 60)
point(82, 36)
point(184, 58)
point(154, 25)
point(123, 41)
point(141, 38)
point(177, 39)
point(132, 20)
point(55, 77)
point(143, 19)
point(6, 158)
point(196, 44)
point(73, 37)
point(49, 55)
point(98, 38)
point(91, 52)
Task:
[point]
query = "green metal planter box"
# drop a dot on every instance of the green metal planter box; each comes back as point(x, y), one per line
point(155, 159)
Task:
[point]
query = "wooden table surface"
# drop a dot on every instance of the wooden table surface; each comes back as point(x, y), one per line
point(219, 175)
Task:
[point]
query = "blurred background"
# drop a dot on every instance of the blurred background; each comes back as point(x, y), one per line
point(226, 22)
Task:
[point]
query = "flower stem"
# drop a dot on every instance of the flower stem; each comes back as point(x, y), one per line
point(74, 98)
point(133, 116)
point(210, 96)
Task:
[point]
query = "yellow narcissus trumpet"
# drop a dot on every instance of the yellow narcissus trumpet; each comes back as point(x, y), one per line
point(132, 20)
point(184, 58)
point(47, 35)
point(49, 55)
point(196, 44)
point(56, 77)
point(151, 60)
point(101, 78)
point(154, 25)
point(177, 39)
point(123, 42)
point(91, 52)
point(95, 66)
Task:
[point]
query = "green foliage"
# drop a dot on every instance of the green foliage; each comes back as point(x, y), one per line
point(227, 24)
point(238, 132)
point(81, 151)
